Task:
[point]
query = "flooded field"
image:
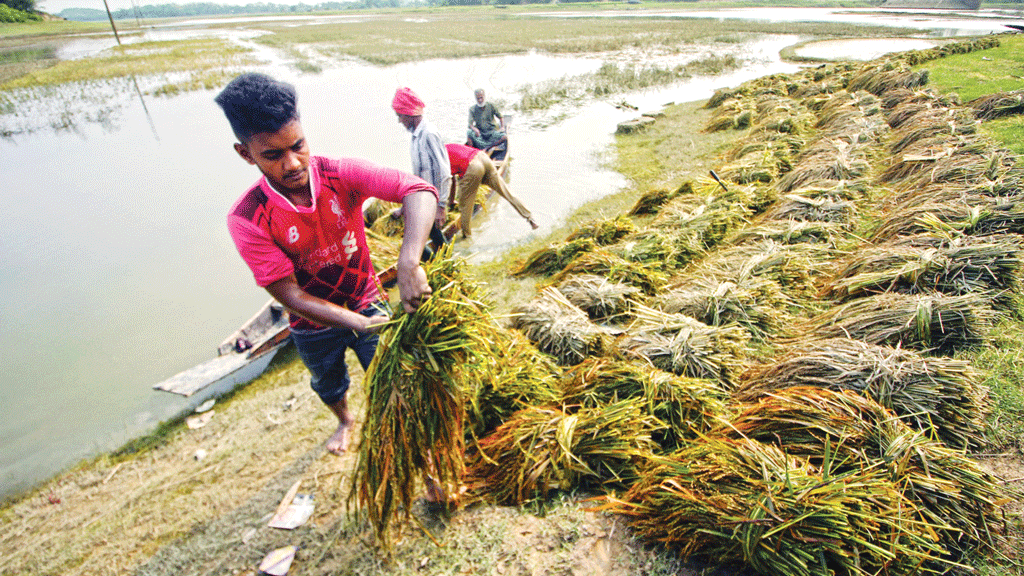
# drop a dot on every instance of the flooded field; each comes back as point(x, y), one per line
point(118, 271)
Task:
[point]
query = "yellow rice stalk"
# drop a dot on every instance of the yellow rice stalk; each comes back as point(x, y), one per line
point(686, 406)
point(682, 345)
point(602, 262)
point(793, 267)
point(543, 449)
point(758, 305)
point(742, 501)
point(559, 328)
point(599, 298)
point(415, 398)
point(387, 226)
point(791, 232)
point(652, 201)
point(930, 123)
point(805, 209)
point(658, 249)
point(887, 75)
point(939, 395)
point(838, 158)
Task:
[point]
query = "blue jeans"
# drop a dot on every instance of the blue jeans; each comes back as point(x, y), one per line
point(323, 353)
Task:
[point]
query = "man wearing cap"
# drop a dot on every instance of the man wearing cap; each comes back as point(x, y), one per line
point(429, 157)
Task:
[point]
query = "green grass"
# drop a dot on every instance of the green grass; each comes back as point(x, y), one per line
point(979, 73)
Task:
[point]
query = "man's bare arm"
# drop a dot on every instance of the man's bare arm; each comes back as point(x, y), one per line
point(296, 300)
point(420, 209)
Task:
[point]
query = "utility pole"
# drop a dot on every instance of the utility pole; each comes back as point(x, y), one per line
point(111, 16)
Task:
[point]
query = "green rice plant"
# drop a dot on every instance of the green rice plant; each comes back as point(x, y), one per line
point(543, 449)
point(884, 76)
point(953, 492)
point(706, 222)
point(686, 406)
point(791, 232)
point(742, 501)
point(941, 396)
point(793, 267)
point(597, 296)
point(414, 426)
point(658, 249)
point(805, 209)
point(560, 328)
point(552, 258)
point(837, 158)
point(652, 201)
point(935, 322)
point(687, 347)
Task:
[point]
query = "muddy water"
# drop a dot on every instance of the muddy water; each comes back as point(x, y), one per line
point(117, 271)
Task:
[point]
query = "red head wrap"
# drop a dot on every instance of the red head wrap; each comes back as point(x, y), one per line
point(407, 102)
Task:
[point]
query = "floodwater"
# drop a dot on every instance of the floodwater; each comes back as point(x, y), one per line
point(118, 272)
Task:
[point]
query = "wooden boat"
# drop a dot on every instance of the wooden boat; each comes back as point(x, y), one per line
point(247, 352)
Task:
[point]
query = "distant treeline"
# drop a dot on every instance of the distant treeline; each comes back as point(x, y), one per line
point(211, 9)
point(18, 11)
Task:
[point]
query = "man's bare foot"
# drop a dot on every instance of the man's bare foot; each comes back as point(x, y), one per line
point(337, 444)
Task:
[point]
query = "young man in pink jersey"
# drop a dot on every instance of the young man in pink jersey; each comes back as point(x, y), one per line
point(300, 230)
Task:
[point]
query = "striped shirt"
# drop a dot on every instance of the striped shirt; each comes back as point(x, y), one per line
point(429, 157)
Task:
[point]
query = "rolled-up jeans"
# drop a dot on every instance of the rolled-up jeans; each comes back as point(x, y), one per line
point(323, 353)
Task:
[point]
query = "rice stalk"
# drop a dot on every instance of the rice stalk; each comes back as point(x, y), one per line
point(552, 258)
point(602, 262)
point(603, 231)
point(755, 304)
point(997, 105)
point(599, 298)
point(560, 328)
point(805, 209)
point(652, 201)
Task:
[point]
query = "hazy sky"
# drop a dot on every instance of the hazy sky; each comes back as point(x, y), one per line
point(54, 6)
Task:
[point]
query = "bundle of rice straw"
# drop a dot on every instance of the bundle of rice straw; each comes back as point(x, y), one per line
point(836, 158)
point(604, 231)
point(792, 266)
point(560, 328)
point(839, 190)
point(997, 105)
point(805, 209)
point(734, 114)
point(888, 75)
point(384, 249)
point(758, 305)
point(415, 411)
point(599, 298)
point(686, 406)
point(957, 497)
point(388, 226)
point(658, 249)
point(1006, 187)
point(553, 258)
point(914, 57)
point(706, 223)
point(513, 375)
point(541, 449)
point(986, 218)
point(736, 501)
point(934, 394)
point(601, 262)
point(987, 265)
point(376, 208)
point(652, 201)
point(965, 159)
point(935, 322)
point(930, 123)
point(791, 232)
point(685, 346)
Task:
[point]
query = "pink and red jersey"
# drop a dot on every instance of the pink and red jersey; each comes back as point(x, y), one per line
point(323, 245)
point(460, 155)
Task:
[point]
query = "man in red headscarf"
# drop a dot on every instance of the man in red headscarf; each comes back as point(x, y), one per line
point(429, 156)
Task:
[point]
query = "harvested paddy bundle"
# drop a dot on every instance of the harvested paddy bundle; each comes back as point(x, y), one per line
point(652, 201)
point(847, 108)
point(914, 57)
point(966, 160)
point(553, 257)
point(705, 223)
point(687, 347)
point(599, 298)
point(602, 262)
point(782, 146)
point(1005, 188)
point(758, 304)
point(384, 249)
point(742, 501)
point(931, 125)
point(734, 114)
point(559, 328)
point(935, 322)
point(791, 232)
point(513, 375)
point(658, 249)
point(686, 406)
point(376, 208)
point(783, 115)
point(997, 105)
point(887, 75)
point(806, 209)
point(543, 449)
point(988, 265)
point(835, 159)
point(413, 431)
point(604, 231)
point(941, 396)
point(956, 496)
point(792, 266)
point(723, 95)
point(388, 226)
point(985, 218)
point(838, 190)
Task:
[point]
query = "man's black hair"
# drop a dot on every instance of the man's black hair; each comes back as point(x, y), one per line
point(257, 103)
